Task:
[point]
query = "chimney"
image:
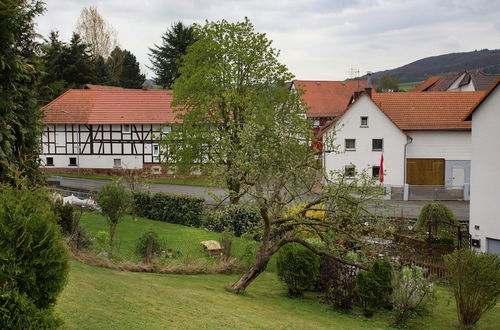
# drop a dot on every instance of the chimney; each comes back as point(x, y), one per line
point(368, 88)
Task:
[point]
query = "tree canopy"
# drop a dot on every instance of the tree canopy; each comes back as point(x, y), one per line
point(96, 32)
point(165, 58)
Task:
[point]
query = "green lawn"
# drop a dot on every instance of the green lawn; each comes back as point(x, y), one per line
point(180, 238)
point(186, 181)
point(97, 298)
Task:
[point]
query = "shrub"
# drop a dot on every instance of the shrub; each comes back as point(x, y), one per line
point(114, 201)
point(413, 294)
point(238, 219)
point(338, 283)
point(149, 237)
point(298, 267)
point(64, 213)
point(475, 278)
point(34, 262)
point(437, 211)
point(374, 287)
point(174, 208)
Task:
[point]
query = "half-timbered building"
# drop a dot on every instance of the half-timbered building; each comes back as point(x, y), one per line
point(98, 129)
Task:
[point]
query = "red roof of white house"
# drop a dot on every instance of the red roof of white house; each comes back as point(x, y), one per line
point(111, 106)
point(327, 98)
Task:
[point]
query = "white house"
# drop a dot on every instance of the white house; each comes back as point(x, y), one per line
point(101, 128)
point(422, 136)
point(484, 225)
point(464, 81)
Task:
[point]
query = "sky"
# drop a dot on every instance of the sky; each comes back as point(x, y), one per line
point(318, 39)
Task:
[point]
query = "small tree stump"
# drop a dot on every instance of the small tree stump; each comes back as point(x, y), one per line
point(214, 248)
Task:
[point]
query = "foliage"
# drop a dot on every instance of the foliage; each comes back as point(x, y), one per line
point(114, 201)
point(238, 219)
point(226, 241)
point(475, 278)
point(388, 84)
point(374, 287)
point(175, 208)
point(436, 211)
point(298, 267)
point(157, 244)
point(96, 32)
point(130, 75)
point(165, 58)
point(64, 213)
point(338, 283)
point(413, 294)
point(34, 262)
point(20, 119)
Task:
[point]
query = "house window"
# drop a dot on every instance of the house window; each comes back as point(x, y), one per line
point(49, 161)
point(156, 150)
point(117, 163)
point(376, 171)
point(166, 129)
point(316, 122)
point(350, 171)
point(364, 121)
point(72, 161)
point(350, 144)
point(377, 144)
point(126, 128)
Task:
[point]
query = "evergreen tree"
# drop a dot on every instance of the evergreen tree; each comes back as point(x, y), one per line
point(102, 73)
point(115, 65)
point(20, 126)
point(131, 76)
point(78, 68)
point(52, 83)
point(165, 58)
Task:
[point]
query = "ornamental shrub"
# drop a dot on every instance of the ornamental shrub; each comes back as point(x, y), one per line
point(374, 287)
point(437, 211)
point(298, 268)
point(174, 208)
point(157, 244)
point(33, 259)
point(64, 213)
point(338, 283)
point(412, 296)
point(238, 219)
point(475, 278)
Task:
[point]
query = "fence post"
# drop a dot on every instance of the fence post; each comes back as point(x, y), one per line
point(406, 191)
point(466, 191)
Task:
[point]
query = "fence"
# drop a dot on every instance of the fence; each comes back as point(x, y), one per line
point(428, 193)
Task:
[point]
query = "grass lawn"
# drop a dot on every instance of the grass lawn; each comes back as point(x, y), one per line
point(186, 181)
point(180, 238)
point(97, 298)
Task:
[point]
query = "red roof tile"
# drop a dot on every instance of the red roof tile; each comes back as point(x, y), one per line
point(101, 87)
point(328, 98)
point(428, 111)
point(116, 106)
point(426, 84)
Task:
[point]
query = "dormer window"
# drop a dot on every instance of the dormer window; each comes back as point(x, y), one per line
point(126, 128)
point(364, 121)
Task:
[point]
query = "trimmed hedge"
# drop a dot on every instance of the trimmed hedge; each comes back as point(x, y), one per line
point(238, 219)
point(174, 208)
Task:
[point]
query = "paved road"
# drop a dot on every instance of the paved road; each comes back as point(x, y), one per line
point(87, 185)
point(407, 209)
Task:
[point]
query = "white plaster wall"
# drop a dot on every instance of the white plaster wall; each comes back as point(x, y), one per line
point(379, 127)
point(450, 145)
point(95, 161)
point(485, 172)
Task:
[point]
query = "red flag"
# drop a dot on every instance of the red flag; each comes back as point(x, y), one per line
point(381, 170)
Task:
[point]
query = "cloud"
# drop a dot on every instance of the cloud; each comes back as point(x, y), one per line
point(319, 39)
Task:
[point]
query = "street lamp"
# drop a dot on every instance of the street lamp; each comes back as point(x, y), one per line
point(78, 143)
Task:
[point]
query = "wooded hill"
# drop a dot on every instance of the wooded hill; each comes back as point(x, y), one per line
point(486, 60)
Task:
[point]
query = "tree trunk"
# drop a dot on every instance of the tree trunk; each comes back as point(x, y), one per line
point(234, 191)
point(251, 274)
point(112, 231)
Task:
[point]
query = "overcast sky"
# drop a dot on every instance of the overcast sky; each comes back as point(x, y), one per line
point(318, 39)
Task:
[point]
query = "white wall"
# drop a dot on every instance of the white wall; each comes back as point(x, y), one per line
point(485, 176)
point(450, 145)
point(379, 127)
point(95, 161)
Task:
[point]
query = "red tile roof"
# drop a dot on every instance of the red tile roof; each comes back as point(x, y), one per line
point(111, 106)
point(426, 84)
point(328, 98)
point(101, 87)
point(428, 111)
point(468, 116)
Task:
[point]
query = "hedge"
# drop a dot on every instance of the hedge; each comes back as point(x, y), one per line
point(167, 207)
point(238, 219)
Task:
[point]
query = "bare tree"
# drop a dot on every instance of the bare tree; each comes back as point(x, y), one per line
point(96, 32)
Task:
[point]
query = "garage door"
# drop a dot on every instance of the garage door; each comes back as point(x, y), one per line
point(493, 246)
point(425, 171)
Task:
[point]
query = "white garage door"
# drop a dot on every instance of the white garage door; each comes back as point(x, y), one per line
point(493, 246)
